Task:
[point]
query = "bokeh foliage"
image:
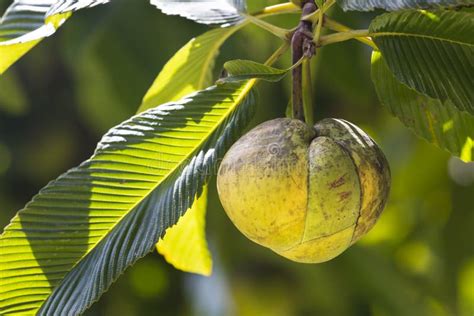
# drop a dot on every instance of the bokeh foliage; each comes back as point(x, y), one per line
point(419, 260)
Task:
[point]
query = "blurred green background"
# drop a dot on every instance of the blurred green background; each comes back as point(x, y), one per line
point(57, 101)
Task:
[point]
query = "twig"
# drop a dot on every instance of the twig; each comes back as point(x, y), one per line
point(336, 26)
point(302, 45)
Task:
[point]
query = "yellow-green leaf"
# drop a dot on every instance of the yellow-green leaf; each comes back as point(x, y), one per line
point(184, 245)
point(189, 70)
point(26, 23)
point(80, 232)
point(11, 53)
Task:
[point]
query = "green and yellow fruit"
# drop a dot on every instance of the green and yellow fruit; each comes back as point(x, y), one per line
point(306, 193)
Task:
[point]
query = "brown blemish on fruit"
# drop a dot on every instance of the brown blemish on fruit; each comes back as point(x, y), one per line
point(344, 195)
point(338, 182)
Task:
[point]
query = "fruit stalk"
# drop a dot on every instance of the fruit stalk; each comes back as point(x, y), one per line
point(302, 45)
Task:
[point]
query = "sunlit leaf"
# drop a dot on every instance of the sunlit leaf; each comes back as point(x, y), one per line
point(62, 6)
point(184, 245)
point(440, 123)
point(27, 22)
point(431, 52)
point(67, 246)
point(392, 5)
point(223, 12)
point(189, 70)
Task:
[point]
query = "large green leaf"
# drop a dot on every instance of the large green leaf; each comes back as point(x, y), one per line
point(66, 247)
point(392, 5)
point(27, 22)
point(441, 123)
point(432, 52)
point(189, 70)
point(224, 12)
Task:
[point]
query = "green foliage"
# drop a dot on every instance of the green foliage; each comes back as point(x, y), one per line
point(24, 25)
point(441, 123)
point(189, 70)
point(66, 247)
point(208, 12)
point(142, 178)
point(20, 31)
point(391, 5)
point(430, 52)
point(64, 6)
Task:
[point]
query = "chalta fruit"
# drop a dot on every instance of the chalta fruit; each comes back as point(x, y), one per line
point(306, 193)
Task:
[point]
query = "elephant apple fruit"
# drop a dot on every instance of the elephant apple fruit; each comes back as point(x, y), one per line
point(307, 193)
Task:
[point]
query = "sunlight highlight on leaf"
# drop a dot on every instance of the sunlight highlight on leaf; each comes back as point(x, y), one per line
point(62, 6)
point(83, 229)
point(26, 22)
point(189, 70)
point(466, 152)
point(11, 53)
point(224, 12)
point(447, 126)
point(184, 245)
point(431, 15)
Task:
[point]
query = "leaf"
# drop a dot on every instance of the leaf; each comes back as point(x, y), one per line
point(184, 245)
point(67, 246)
point(393, 5)
point(222, 12)
point(431, 52)
point(440, 123)
point(240, 70)
point(26, 23)
point(63, 6)
point(189, 70)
